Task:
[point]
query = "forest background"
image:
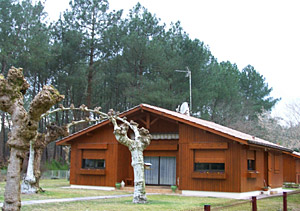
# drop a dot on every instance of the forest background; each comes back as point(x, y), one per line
point(102, 58)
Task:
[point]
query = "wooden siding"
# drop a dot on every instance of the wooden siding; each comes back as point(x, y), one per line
point(252, 180)
point(124, 171)
point(100, 144)
point(275, 169)
point(298, 170)
point(209, 156)
point(190, 180)
point(167, 148)
point(92, 146)
point(93, 154)
point(291, 168)
point(213, 145)
point(157, 124)
point(194, 144)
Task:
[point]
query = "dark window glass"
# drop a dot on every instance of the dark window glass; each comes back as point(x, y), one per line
point(93, 163)
point(251, 164)
point(217, 166)
point(202, 166)
point(209, 167)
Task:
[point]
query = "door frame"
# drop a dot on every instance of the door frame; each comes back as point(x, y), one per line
point(159, 171)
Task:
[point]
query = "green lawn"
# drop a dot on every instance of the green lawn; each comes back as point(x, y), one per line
point(53, 189)
point(167, 202)
point(271, 204)
point(156, 203)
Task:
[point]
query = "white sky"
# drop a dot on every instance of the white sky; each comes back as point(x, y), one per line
point(262, 33)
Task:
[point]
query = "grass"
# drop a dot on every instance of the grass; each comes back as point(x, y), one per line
point(156, 202)
point(167, 202)
point(271, 204)
point(53, 190)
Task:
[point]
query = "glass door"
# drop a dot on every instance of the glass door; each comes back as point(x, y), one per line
point(162, 171)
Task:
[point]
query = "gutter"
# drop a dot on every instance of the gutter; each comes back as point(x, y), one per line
point(271, 146)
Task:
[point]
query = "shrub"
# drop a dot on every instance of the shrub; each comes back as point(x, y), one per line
point(55, 165)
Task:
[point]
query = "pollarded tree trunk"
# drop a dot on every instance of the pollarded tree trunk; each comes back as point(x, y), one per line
point(24, 127)
point(13, 177)
point(137, 164)
point(30, 183)
point(2, 136)
point(53, 132)
point(37, 167)
point(141, 140)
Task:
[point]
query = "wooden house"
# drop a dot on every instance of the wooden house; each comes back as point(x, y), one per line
point(194, 154)
point(291, 167)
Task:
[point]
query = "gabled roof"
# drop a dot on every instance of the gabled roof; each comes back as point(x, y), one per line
point(189, 120)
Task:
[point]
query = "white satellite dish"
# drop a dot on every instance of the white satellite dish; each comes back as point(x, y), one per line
point(184, 108)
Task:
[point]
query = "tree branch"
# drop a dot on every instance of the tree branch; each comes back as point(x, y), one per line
point(43, 101)
point(96, 110)
point(121, 132)
point(12, 90)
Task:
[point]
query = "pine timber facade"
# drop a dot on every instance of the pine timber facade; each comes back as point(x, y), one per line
point(291, 167)
point(191, 153)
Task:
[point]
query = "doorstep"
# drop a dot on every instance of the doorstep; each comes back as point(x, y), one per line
point(154, 189)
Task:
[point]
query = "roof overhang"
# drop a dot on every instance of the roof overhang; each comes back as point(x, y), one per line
point(68, 139)
point(192, 121)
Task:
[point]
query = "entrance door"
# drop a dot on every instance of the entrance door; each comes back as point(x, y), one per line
point(162, 172)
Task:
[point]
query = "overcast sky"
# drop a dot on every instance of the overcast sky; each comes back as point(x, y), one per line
point(262, 33)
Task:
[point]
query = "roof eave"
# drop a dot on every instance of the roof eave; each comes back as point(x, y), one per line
point(270, 146)
point(242, 141)
point(68, 139)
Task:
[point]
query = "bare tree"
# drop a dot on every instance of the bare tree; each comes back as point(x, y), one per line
point(141, 139)
point(30, 183)
point(292, 113)
point(24, 126)
point(136, 146)
point(292, 123)
point(24, 133)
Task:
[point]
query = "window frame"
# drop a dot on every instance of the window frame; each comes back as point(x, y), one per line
point(210, 167)
point(251, 160)
point(210, 153)
point(251, 165)
point(102, 161)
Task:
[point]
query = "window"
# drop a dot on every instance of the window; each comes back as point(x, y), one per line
point(209, 160)
point(93, 163)
point(251, 160)
point(251, 164)
point(213, 167)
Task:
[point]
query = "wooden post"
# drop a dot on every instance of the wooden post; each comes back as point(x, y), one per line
point(254, 205)
point(284, 201)
point(206, 207)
